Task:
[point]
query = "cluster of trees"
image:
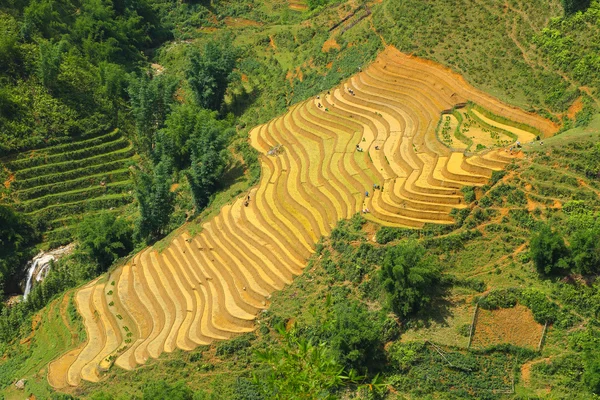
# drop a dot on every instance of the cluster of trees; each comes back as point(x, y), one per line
point(344, 344)
point(65, 63)
point(186, 138)
point(572, 6)
point(552, 256)
point(410, 277)
point(566, 41)
point(76, 67)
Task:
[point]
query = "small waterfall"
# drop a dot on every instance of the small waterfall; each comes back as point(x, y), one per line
point(41, 264)
point(31, 267)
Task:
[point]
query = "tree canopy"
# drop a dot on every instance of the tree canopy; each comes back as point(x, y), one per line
point(17, 234)
point(409, 276)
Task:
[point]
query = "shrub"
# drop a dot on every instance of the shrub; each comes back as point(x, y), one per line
point(506, 298)
point(549, 252)
point(585, 247)
point(469, 193)
point(591, 371)
point(355, 336)
point(405, 355)
point(235, 345)
point(572, 6)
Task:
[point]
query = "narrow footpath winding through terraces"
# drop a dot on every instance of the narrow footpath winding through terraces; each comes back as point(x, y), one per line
point(377, 128)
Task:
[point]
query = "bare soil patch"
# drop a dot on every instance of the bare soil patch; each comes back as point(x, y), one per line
point(330, 44)
point(575, 108)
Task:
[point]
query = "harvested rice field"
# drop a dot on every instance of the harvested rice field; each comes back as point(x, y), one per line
point(367, 146)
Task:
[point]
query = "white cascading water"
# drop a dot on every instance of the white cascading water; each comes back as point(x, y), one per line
point(41, 264)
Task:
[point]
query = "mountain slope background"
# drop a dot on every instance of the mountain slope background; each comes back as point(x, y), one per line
point(176, 76)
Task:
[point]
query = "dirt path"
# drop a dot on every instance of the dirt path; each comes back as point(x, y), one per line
point(526, 370)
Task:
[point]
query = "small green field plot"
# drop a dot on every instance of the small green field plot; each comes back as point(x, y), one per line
point(57, 185)
point(473, 128)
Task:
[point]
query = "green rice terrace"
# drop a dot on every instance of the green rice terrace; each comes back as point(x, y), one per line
point(300, 199)
point(61, 183)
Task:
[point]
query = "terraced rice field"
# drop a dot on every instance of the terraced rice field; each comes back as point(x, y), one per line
point(211, 286)
point(59, 184)
point(298, 5)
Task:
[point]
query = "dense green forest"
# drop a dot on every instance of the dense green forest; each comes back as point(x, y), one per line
point(160, 95)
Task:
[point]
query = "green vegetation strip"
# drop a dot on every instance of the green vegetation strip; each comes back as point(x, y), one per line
point(76, 195)
point(458, 133)
point(74, 174)
point(60, 210)
point(52, 169)
point(79, 183)
point(504, 120)
point(69, 155)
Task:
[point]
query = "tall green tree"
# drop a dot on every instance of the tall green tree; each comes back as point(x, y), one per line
point(150, 100)
point(356, 336)
point(49, 63)
point(585, 248)
point(155, 200)
point(409, 277)
point(572, 6)
point(210, 71)
point(114, 81)
point(10, 52)
point(209, 160)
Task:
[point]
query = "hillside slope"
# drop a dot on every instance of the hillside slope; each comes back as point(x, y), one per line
point(319, 161)
point(59, 184)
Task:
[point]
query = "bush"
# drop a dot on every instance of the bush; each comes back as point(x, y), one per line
point(506, 298)
point(17, 236)
point(572, 6)
point(387, 234)
point(404, 355)
point(585, 248)
point(469, 193)
point(355, 336)
point(235, 345)
point(591, 371)
point(549, 252)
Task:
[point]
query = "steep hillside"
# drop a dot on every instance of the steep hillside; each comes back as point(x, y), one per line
point(366, 146)
point(301, 199)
